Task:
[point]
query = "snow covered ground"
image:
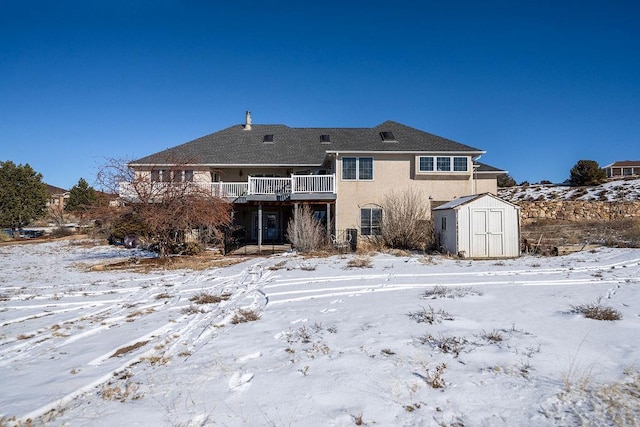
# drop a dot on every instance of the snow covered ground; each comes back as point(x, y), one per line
point(399, 341)
point(611, 191)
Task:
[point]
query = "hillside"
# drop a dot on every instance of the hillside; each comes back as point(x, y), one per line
point(612, 191)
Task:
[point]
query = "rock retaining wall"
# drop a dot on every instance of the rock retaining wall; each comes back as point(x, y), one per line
point(574, 210)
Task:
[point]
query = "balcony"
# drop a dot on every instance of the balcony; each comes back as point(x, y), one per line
point(296, 187)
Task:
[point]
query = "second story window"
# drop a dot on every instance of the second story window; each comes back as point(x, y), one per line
point(460, 164)
point(426, 164)
point(357, 168)
point(165, 175)
point(442, 164)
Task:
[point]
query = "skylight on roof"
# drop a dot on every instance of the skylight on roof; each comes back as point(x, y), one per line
point(388, 136)
point(325, 138)
point(268, 138)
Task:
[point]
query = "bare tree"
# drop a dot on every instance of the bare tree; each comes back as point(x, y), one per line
point(405, 221)
point(305, 232)
point(165, 211)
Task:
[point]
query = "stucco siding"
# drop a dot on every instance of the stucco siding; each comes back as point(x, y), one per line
point(393, 173)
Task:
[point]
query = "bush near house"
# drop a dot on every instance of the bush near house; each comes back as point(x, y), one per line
point(404, 221)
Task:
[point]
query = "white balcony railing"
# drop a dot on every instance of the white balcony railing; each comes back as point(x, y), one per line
point(299, 184)
point(266, 186)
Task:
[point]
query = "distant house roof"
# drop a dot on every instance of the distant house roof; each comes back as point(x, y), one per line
point(623, 163)
point(280, 145)
point(55, 190)
point(467, 199)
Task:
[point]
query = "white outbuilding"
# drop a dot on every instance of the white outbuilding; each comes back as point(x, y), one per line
point(478, 226)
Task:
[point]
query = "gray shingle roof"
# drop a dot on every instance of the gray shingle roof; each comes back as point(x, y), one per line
point(298, 146)
point(482, 167)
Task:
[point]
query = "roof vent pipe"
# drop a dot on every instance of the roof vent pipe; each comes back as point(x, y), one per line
point(247, 124)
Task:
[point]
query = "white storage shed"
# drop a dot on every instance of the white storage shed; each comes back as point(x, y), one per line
point(478, 226)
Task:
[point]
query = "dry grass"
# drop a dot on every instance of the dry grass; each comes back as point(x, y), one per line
point(446, 344)
point(359, 262)
point(201, 261)
point(597, 311)
point(430, 316)
point(446, 292)
point(585, 403)
point(205, 298)
point(493, 336)
point(157, 360)
point(245, 315)
point(128, 349)
point(553, 233)
point(25, 336)
point(192, 309)
point(112, 391)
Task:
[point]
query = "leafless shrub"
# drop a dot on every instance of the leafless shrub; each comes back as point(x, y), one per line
point(205, 298)
point(165, 213)
point(357, 420)
point(430, 316)
point(405, 223)
point(597, 311)
point(446, 344)
point(493, 336)
point(163, 295)
point(304, 334)
point(245, 315)
point(387, 352)
point(306, 233)
point(433, 377)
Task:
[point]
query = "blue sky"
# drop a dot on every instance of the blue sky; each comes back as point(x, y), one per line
point(539, 85)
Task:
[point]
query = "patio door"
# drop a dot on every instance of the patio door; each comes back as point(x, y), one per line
point(270, 227)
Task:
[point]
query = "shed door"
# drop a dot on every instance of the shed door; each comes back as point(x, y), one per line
point(487, 233)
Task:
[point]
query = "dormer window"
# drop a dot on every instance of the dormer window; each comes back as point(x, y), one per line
point(388, 136)
point(268, 139)
point(325, 139)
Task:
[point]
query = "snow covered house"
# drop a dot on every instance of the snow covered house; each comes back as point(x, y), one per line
point(478, 226)
point(267, 171)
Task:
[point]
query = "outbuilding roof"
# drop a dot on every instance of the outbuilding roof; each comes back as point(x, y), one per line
point(468, 199)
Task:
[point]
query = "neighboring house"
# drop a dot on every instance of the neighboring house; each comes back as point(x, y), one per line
point(478, 226)
point(622, 169)
point(343, 174)
point(57, 197)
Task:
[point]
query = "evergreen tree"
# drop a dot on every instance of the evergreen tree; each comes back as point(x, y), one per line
point(81, 197)
point(586, 172)
point(505, 181)
point(23, 195)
